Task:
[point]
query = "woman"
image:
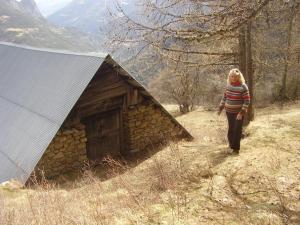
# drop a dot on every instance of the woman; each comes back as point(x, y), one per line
point(236, 100)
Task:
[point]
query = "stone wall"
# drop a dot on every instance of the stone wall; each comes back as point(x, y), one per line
point(146, 124)
point(66, 152)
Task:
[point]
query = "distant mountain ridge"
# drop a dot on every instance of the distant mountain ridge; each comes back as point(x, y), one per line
point(90, 16)
point(22, 23)
point(86, 15)
point(93, 17)
point(31, 7)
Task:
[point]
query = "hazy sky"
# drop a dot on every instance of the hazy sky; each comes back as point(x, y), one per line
point(48, 7)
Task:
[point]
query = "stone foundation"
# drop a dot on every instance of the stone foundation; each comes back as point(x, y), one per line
point(146, 124)
point(66, 152)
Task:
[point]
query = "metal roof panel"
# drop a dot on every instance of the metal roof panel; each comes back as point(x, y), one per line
point(37, 91)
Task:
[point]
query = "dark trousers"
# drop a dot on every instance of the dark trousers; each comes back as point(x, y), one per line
point(234, 131)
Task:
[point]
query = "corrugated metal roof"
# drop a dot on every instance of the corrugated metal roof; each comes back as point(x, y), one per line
point(37, 91)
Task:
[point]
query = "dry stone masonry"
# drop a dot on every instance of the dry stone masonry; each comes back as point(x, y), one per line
point(67, 152)
point(146, 125)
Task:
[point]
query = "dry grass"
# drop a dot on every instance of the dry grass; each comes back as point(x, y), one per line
point(185, 183)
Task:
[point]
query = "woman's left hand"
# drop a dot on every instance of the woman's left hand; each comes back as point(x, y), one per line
point(239, 116)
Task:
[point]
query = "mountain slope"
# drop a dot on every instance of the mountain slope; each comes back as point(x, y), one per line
point(93, 17)
point(86, 15)
point(90, 16)
point(18, 25)
point(186, 183)
point(31, 7)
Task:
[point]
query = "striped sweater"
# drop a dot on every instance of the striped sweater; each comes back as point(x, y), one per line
point(236, 98)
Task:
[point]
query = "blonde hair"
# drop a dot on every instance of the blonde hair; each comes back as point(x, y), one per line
point(236, 72)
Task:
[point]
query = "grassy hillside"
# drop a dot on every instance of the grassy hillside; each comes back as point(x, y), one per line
point(194, 182)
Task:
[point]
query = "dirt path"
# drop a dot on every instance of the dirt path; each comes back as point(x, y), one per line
point(263, 182)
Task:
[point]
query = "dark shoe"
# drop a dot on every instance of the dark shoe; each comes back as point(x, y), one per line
point(229, 150)
point(235, 152)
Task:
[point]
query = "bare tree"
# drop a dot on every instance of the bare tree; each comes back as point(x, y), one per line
point(180, 25)
point(276, 52)
point(182, 88)
point(293, 9)
point(209, 33)
point(246, 65)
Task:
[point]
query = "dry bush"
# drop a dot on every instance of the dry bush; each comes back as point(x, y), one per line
point(167, 169)
point(164, 172)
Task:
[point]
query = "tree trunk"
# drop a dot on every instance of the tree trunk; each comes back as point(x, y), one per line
point(184, 108)
point(246, 66)
point(283, 94)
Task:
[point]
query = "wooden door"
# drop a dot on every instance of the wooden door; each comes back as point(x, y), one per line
point(103, 134)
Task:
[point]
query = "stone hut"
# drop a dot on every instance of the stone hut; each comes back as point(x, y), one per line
point(97, 109)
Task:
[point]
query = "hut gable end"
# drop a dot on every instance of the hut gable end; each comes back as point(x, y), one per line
point(74, 108)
